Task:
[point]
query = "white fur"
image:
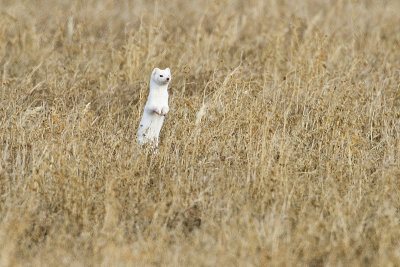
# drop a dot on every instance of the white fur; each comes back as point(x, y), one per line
point(156, 107)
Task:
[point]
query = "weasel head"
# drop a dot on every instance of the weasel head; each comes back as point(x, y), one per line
point(161, 77)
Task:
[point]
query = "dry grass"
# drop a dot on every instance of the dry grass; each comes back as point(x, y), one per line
point(282, 146)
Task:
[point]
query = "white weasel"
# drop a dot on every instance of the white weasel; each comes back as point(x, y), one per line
point(156, 107)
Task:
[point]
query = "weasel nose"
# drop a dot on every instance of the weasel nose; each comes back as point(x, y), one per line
point(167, 79)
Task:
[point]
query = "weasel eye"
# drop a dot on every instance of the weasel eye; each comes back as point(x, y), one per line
point(161, 76)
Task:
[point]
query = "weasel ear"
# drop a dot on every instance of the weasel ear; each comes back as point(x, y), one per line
point(167, 69)
point(155, 71)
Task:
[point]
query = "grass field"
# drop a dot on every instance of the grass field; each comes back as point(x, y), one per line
point(281, 148)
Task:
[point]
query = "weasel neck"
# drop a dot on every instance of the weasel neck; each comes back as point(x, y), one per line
point(157, 87)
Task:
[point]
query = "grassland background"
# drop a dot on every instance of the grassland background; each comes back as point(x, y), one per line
point(281, 146)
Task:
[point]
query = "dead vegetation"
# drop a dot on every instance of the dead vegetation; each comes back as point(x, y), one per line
point(281, 148)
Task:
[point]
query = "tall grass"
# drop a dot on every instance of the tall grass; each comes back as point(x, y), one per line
point(281, 148)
